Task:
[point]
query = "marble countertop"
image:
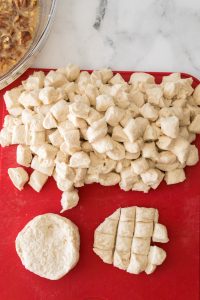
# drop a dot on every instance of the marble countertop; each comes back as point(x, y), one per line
point(142, 35)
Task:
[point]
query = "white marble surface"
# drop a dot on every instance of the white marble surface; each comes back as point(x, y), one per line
point(145, 35)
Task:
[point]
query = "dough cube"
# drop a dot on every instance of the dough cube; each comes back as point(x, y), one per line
point(137, 263)
point(170, 126)
point(79, 160)
point(195, 125)
point(123, 244)
point(121, 259)
point(18, 177)
point(5, 137)
point(48, 95)
point(56, 139)
point(143, 230)
point(150, 268)
point(175, 176)
point(18, 134)
point(37, 180)
point(156, 255)
point(49, 122)
point(36, 165)
point(24, 156)
point(126, 229)
point(105, 255)
point(36, 138)
point(47, 151)
point(128, 214)
point(60, 110)
point(115, 215)
point(140, 245)
point(139, 165)
point(69, 200)
point(160, 234)
point(109, 226)
point(144, 214)
point(104, 241)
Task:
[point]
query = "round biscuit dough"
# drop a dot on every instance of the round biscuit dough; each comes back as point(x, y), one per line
point(49, 246)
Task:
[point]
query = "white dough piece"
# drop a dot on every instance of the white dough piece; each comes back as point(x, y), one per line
point(69, 200)
point(49, 246)
point(160, 233)
point(37, 180)
point(5, 137)
point(79, 160)
point(104, 241)
point(193, 156)
point(126, 229)
point(105, 255)
point(60, 110)
point(140, 245)
point(48, 95)
point(24, 155)
point(123, 244)
point(150, 268)
point(170, 126)
point(137, 263)
point(175, 176)
point(156, 255)
point(121, 259)
point(144, 214)
point(18, 177)
point(108, 226)
point(143, 230)
point(128, 214)
point(36, 164)
point(18, 134)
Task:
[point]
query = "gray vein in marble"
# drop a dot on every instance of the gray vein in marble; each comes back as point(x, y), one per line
point(100, 13)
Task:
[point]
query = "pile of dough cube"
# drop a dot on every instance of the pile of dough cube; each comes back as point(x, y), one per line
point(82, 128)
point(124, 240)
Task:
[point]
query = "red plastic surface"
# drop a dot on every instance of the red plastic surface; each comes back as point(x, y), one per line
point(91, 279)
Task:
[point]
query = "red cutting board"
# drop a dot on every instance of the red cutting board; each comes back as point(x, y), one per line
point(91, 279)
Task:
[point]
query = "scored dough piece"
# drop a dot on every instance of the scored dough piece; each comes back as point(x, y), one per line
point(104, 241)
point(109, 226)
point(123, 244)
point(150, 268)
point(144, 214)
point(143, 230)
point(128, 214)
point(140, 246)
point(156, 255)
point(124, 238)
point(121, 259)
point(105, 255)
point(49, 246)
point(160, 234)
point(137, 263)
point(126, 229)
point(115, 215)
point(104, 237)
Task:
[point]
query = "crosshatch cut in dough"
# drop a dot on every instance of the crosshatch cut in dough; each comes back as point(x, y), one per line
point(124, 239)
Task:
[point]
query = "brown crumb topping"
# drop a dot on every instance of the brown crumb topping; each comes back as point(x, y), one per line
point(18, 23)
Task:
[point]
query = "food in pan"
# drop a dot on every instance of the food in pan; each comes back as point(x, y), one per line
point(18, 24)
point(124, 240)
point(82, 128)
